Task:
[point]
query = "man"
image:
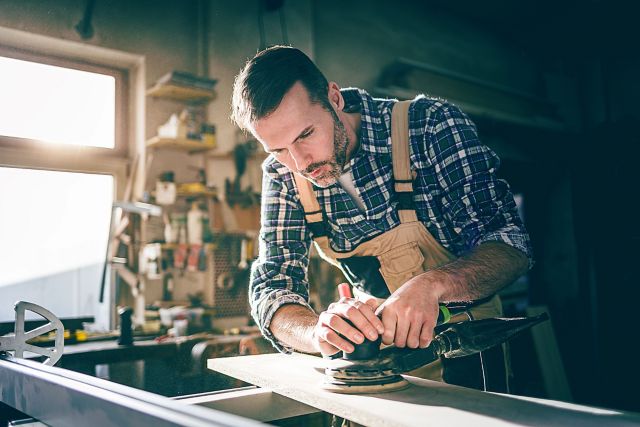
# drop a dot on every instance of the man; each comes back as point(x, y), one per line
point(409, 207)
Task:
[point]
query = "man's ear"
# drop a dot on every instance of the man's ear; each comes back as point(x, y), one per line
point(335, 97)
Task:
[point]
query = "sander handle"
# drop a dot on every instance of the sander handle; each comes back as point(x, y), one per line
point(461, 339)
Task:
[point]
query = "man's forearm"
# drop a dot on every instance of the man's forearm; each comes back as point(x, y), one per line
point(484, 271)
point(293, 325)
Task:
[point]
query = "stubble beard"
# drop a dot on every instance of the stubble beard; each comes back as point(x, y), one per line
point(336, 162)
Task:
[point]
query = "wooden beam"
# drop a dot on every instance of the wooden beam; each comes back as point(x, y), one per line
point(424, 403)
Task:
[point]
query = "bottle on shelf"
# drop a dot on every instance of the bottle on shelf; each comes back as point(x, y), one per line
point(166, 189)
point(194, 224)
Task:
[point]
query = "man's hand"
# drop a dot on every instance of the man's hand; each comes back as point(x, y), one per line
point(331, 329)
point(411, 312)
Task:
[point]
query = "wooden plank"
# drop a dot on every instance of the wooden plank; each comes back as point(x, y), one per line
point(551, 366)
point(424, 403)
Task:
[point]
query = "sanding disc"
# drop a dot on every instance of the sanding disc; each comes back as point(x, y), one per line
point(364, 388)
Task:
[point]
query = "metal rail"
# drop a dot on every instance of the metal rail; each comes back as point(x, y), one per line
point(58, 397)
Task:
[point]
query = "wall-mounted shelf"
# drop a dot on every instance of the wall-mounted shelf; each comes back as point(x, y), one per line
point(189, 145)
point(181, 93)
point(172, 246)
point(261, 155)
point(205, 193)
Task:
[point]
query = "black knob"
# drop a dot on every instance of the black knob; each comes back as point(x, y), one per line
point(126, 330)
point(366, 350)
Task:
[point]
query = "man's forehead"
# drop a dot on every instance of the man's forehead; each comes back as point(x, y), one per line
point(293, 115)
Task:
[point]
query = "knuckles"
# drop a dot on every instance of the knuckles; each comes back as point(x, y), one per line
point(333, 321)
point(351, 311)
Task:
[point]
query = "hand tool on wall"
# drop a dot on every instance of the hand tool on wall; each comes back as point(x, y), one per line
point(18, 341)
point(378, 370)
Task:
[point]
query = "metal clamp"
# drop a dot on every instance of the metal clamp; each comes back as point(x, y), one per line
point(18, 342)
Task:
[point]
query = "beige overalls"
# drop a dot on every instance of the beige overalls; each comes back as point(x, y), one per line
point(404, 252)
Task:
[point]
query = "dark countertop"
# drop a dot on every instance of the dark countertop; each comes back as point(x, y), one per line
point(109, 351)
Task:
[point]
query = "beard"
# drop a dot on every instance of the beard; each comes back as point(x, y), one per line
point(334, 165)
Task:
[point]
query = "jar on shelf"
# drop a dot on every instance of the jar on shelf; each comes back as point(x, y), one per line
point(166, 189)
point(194, 224)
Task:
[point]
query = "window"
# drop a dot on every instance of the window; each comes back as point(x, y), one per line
point(54, 227)
point(55, 104)
point(61, 103)
point(63, 156)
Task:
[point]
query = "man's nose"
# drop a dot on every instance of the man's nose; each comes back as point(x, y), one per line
point(301, 158)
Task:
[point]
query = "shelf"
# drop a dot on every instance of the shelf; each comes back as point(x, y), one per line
point(259, 155)
point(478, 111)
point(197, 193)
point(172, 246)
point(181, 93)
point(184, 144)
point(206, 193)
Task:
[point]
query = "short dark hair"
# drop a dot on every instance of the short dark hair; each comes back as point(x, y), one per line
point(266, 78)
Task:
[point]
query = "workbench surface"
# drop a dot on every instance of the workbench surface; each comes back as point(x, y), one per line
point(424, 403)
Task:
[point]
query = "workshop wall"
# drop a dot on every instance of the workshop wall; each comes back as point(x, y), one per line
point(366, 35)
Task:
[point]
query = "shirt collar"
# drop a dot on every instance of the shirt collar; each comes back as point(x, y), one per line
point(374, 119)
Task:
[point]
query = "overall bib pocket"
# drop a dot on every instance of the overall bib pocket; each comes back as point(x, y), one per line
point(401, 264)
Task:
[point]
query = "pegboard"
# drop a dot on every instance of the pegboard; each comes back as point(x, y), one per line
point(230, 283)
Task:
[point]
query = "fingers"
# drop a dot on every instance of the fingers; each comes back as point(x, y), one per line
point(389, 321)
point(338, 325)
point(402, 331)
point(426, 336)
point(361, 315)
point(369, 313)
point(331, 342)
point(344, 324)
point(413, 335)
point(407, 330)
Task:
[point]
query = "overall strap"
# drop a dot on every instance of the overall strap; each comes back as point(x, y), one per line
point(312, 211)
point(402, 177)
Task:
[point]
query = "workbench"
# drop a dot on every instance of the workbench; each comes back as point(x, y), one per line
point(425, 403)
point(170, 366)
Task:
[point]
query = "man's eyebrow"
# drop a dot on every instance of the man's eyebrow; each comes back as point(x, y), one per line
point(301, 134)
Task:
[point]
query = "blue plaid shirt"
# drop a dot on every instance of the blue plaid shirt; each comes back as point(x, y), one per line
point(456, 192)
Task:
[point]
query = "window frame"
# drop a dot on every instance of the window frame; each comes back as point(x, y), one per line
point(126, 162)
point(121, 101)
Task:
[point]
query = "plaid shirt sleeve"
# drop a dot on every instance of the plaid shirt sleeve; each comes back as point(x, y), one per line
point(478, 204)
point(278, 276)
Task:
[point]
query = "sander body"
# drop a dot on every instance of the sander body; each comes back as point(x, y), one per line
point(375, 370)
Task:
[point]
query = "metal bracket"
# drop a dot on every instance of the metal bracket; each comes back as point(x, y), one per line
point(18, 342)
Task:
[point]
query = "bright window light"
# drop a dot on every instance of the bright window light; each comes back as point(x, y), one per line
point(56, 105)
point(54, 228)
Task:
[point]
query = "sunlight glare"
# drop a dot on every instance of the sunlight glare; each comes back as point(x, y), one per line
point(56, 105)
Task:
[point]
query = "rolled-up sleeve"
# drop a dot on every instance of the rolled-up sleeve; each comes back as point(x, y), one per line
point(278, 276)
point(478, 204)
